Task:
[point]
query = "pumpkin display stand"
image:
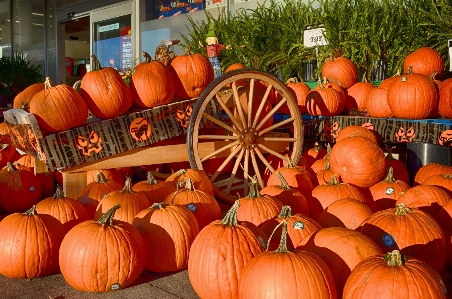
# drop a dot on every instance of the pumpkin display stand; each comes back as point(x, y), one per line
point(231, 119)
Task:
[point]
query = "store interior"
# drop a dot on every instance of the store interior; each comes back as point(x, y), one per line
point(77, 48)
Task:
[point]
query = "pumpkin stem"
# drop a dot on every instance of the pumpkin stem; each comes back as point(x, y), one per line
point(317, 147)
point(410, 69)
point(189, 186)
point(181, 172)
point(333, 181)
point(31, 211)
point(101, 179)
point(282, 248)
point(147, 56)
point(293, 80)
point(48, 83)
point(364, 77)
point(402, 209)
point(286, 212)
point(158, 205)
point(128, 186)
point(289, 163)
point(389, 156)
point(328, 151)
point(327, 164)
point(96, 63)
point(188, 51)
point(11, 167)
point(107, 218)
point(284, 184)
point(58, 192)
point(231, 216)
point(395, 258)
point(254, 189)
point(390, 176)
point(447, 176)
point(150, 179)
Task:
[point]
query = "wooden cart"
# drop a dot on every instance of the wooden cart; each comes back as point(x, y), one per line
point(216, 124)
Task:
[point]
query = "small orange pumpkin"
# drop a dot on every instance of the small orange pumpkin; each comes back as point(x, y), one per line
point(22, 99)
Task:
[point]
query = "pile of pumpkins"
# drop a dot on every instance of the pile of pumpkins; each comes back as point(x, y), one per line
point(104, 93)
point(344, 223)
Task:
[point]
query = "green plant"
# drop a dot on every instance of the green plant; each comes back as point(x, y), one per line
point(17, 73)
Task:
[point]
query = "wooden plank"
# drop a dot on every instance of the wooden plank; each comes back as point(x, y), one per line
point(40, 166)
point(73, 183)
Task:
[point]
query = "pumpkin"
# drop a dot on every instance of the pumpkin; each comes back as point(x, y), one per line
point(275, 162)
point(444, 219)
point(324, 102)
point(29, 244)
point(325, 175)
point(169, 231)
point(324, 195)
point(355, 130)
point(413, 96)
point(241, 240)
point(319, 164)
point(47, 180)
point(359, 161)
point(399, 169)
point(58, 108)
point(200, 180)
point(426, 61)
point(299, 90)
point(203, 205)
point(313, 154)
point(25, 161)
point(347, 212)
point(131, 202)
point(357, 94)
point(105, 92)
point(155, 191)
point(191, 74)
point(20, 189)
point(23, 98)
point(377, 103)
point(429, 170)
point(441, 180)
point(298, 227)
point(7, 150)
point(341, 249)
point(84, 261)
point(394, 275)
point(68, 211)
point(92, 194)
point(284, 273)
point(232, 67)
point(288, 196)
point(386, 193)
point(152, 84)
point(445, 99)
point(340, 70)
point(410, 230)
point(257, 208)
point(111, 174)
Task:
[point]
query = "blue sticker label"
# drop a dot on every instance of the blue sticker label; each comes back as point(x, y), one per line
point(192, 207)
point(298, 225)
point(388, 240)
point(32, 188)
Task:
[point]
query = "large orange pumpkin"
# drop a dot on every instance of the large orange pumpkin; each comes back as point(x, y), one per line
point(426, 61)
point(429, 170)
point(347, 212)
point(155, 191)
point(300, 91)
point(356, 130)
point(58, 108)
point(22, 99)
point(441, 180)
point(105, 92)
point(191, 74)
point(29, 244)
point(377, 103)
point(340, 70)
point(357, 94)
point(102, 256)
point(152, 84)
point(200, 180)
point(324, 102)
point(445, 99)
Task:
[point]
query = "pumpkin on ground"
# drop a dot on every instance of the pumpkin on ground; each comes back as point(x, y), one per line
point(340, 70)
point(168, 231)
point(284, 273)
point(86, 266)
point(58, 108)
point(155, 191)
point(347, 212)
point(105, 92)
point(68, 211)
point(29, 244)
point(394, 276)
point(399, 170)
point(313, 154)
point(23, 98)
point(240, 240)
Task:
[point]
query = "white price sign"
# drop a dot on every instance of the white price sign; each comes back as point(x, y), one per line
point(314, 37)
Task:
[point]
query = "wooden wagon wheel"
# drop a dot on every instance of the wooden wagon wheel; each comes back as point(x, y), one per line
point(240, 139)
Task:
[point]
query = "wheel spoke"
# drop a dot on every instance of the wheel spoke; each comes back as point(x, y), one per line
point(220, 150)
point(234, 170)
point(275, 126)
point(229, 113)
point(261, 106)
point(214, 137)
point(245, 170)
point(256, 169)
point(263, 147)
point(232, 155)
point(270, 114)
point(221, 124)
point(250, 101)
point(238, 104)
point(279, 139)
point(258, 152)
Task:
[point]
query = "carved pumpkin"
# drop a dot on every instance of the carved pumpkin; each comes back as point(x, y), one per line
point(242, 240)
point(191, 74)
point(426, 61)
point(155, 191)
point(377, 103)
point(152, 84)
point(86, 266)
point(173, 228)
point(340, 70)
point(357, 94)
point(23, 98)
point(29, 244)
point(58, 108)
point(105, 92)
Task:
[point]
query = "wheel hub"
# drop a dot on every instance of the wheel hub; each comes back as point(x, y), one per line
point(249, 138)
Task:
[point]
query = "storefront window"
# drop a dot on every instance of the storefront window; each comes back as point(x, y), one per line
point(5, 29)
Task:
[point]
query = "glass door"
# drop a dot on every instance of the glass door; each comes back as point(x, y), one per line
point(112, 36)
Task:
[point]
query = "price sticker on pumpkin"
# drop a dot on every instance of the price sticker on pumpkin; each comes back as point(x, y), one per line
point(313, 37)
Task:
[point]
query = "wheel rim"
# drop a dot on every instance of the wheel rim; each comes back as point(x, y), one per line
point(221, 129)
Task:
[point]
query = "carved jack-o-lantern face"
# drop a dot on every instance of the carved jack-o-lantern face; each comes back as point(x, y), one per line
point(183, 116)
point(368, 126)
point(88, 145)
point(445, 138)
point(403, 135)
point(140, 129)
